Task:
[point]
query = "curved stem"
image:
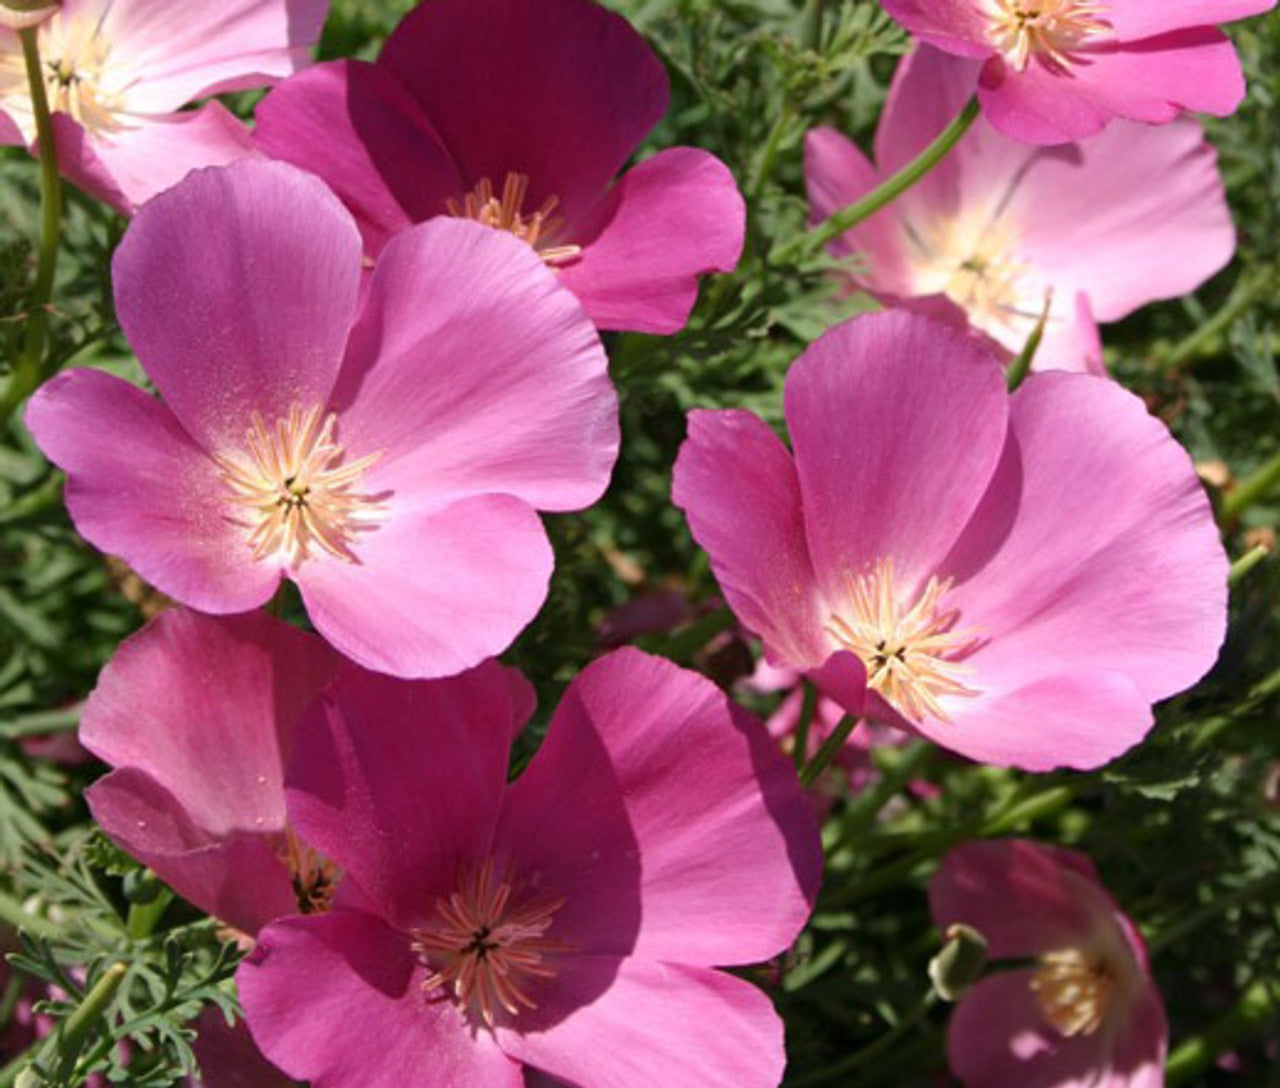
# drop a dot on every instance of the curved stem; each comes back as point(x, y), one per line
point(827, 752)
point(1250, 1019)
point(1249, 491)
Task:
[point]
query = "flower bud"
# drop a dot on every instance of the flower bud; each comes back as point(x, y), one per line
point(21, 14)
point(960, 964)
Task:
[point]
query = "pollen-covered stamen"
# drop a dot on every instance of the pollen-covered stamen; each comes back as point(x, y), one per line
point(292, 479)
point(489, 944)
point(507, 213)
point(906, 650)
point(1074, 990)
point(315, 878)
point(1051, 30)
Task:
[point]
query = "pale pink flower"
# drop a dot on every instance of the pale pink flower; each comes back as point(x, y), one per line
point(520, 114)
point(1000, 229)
point(1054, 71)
point(569, 921)
point(386, 449)
point(119, 73)
point(1085, 1011)
point(1021, 577)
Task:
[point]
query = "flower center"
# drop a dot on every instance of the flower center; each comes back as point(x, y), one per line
point(1051, 30)
point(507, 213)
point(315, 879)
point(300, 495)
point(1074, 991)
point(906, 650)
point(489, 944)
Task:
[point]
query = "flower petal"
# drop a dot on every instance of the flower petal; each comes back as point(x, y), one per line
point(237, 289)
point(1133, 19)
point(132, 473)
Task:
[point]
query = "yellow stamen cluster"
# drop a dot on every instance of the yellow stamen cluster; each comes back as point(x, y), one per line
point(1051, 30)
point(489, 944)
point(301, 496)
point(906, 650)
point(507, 213)
point(1074, 991)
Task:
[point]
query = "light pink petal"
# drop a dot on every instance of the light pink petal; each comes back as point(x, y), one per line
point(954, 25)
point(337, 1000)
point(621, 1023)
point(400, 783)
point(1026, 898)
point(473, 371)
point(433, 591)
point(737, 485)
point(560, 90)
point(843, 677)
point(354, 125)
point(163, 705)
point(999, 1039)
point(1150, 81)
point(238, 877)
point(1138, 1057)
point(674, 217)
point(237, 289)
point(140, 489)
point(653, 804)
point(1133, 19)
point(897, 422)
point(1099, 225)
point(228, 1057)
point(1071, 337)
point(928, 91)
point(155, 154)
point(79, 163)
point(187, 51)
point(1094, 550)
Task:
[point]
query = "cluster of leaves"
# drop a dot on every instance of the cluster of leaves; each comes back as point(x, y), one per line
point(1186, 830)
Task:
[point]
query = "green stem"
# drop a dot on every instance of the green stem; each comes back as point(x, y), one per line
point(1242, 566)
point(1210, 911)
point(1245, 294)
point(1247, 492)
point(811, 25)
point(1254, 1015)
point(808, 707)
point(16, 915)
point(891, 188)
point(872, 1050)
point(143, 917)
point(77, 1027)
point(28, 368)
point(1021, 366)
point(830, 747)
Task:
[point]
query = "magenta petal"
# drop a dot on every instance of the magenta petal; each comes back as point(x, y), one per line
point(434, 591)
point(474, 372)
point(138, 488)
point(622, 1023)
point(1133, 19)
point(560, 90)
point(675, 216)
point(897, 422)
point(1138, 1057)
point(737, 485)
point(957, 26)
point(843, 677)
point(354, 125)
point(400, 783)
point(239, 878)
point(337, 1000)
point(684, 819)
point(246, 273)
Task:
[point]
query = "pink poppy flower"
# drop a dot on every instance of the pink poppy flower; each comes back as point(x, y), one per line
point(1055, 71)
point(1021, 577)
point(196, 714)
point(519, 114)
point(569, 921)
point(121, 71)
point(1086, 1011)
point(999, 228)
point(389, 455)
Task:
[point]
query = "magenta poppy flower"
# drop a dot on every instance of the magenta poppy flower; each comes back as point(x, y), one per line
point(1000, 228)
point(121, 71)
point(388, 454)
point(518, 114)
point(1055, 71)
point(1021, 577)
point(196, 714)
point(1085, 1010)
point(569, 921)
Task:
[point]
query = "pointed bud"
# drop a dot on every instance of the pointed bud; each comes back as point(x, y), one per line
point(21, 14)
point(960, 964)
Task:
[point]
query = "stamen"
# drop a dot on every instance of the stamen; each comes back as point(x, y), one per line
point(1074, 991)
point(507, 213)
point(1050, 30)
point(489, 944)
point(293, 481)
point(315, 879)
point(905, 650)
